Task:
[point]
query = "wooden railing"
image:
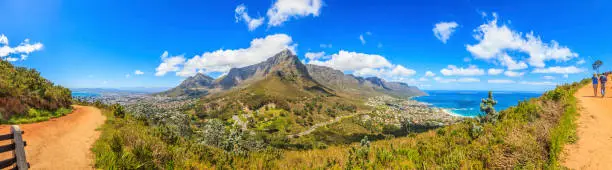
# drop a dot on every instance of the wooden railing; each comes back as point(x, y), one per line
point(17, 146)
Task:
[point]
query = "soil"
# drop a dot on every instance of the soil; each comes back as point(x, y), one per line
point(61, 143)
point(593, 150)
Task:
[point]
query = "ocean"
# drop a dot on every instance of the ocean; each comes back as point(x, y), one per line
point(84, 94)
point(467, 103)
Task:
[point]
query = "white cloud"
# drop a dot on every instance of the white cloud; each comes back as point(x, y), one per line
point(453, 70)
point(283, 10)
point(138, 72)
point(362, 39)
point(495, 41)
point(429, 74)
point(468, 80)
point(325, 45)
point(494, 71)
point(402, 71)
point(560, 70)
point(3, 40)
point(242, 15)
point(501, 81)
point(507, 61)
point(12, 59)
point(548, 77)
point(22, 50)
point(513, 73)
point(580, 62)
point(349, 61)
point(127, 75)
point(397, 73)
point(169, 64)
point(539, 83)
point(460, 80)
point(315, 56)
point(443, 30)
point(222, 60)
point(364, 65)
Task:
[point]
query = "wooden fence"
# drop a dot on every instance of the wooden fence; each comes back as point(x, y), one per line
point(17, 146)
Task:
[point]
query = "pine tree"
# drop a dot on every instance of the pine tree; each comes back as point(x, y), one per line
point(487, 106)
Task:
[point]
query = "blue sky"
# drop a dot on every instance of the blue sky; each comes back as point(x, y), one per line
point(103, 43)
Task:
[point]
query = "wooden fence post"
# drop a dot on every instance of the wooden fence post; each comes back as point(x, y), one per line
point(19, 152)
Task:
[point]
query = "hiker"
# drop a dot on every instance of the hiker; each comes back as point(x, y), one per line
point(595, 81)
point(602, 81)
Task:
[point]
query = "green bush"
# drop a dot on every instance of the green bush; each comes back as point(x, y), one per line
point(530, 135)
point(35, 115)
point(23, 89)
point(118, 110)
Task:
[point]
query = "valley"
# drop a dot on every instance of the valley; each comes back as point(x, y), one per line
point(281, 103)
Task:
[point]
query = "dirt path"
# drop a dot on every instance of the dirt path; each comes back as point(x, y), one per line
point(593, 150)
point(315, 126)
point(64, 142)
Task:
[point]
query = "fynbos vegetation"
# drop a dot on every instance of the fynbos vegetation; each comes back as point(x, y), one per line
point(529, 135)
point(26, 97)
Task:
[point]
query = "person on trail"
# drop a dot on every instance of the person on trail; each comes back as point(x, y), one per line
point(595, 81)
point(602, 81)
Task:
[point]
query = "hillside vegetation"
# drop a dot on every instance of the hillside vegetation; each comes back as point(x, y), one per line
point(25, 96)
point(528, 136)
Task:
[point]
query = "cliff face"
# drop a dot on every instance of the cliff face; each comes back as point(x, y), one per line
point(284, 64)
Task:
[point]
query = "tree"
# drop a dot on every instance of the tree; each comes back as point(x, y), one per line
point(487, 106)
point(596, 65)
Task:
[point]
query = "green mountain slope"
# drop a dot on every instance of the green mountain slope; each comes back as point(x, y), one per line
point(22, 89)
point(279, 88)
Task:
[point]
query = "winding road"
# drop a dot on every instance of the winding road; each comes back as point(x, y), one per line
point(593, 150)
point(61, 143)
point(315, 126)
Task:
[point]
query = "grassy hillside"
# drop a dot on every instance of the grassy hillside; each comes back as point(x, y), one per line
point(275, 108)
point(528, 136)
point(25, 96)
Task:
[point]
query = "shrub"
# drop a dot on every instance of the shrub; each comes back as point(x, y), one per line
point(23, 89)
point(118, 110)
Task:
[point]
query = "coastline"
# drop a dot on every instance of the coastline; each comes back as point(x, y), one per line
point(445, 110)
point(461, 103)
point(450, 112)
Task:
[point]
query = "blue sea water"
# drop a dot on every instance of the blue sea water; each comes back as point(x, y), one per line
point(84, 94)
point(467, 103)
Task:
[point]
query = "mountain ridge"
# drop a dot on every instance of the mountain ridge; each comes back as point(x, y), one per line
point(287, 65)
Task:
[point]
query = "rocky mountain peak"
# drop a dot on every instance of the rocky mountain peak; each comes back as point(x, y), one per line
point(283, 64)
point(286, 67)
point(283, 56)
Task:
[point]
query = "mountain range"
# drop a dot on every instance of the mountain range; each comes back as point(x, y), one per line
point(287, 67)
